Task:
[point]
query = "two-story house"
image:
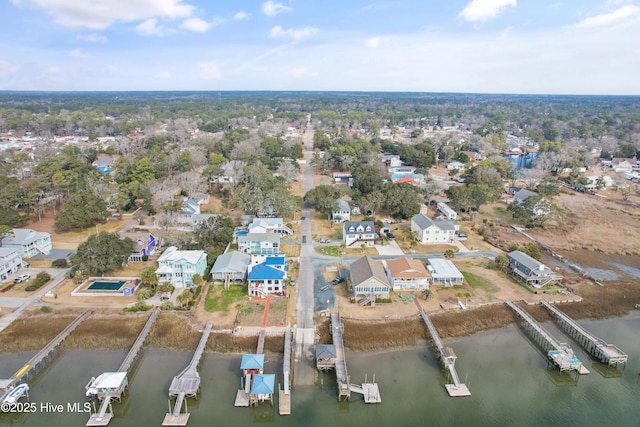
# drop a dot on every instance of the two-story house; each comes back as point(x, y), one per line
point(10, 262)
point(179, 267)
point(27, 242)
point(407, 273)
point(359, 233)
point(269, 225)
point(266, 275)
point(433, 231)
point(341, 212)
point(259, 243)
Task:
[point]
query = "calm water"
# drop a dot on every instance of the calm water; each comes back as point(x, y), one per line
point(508, 378)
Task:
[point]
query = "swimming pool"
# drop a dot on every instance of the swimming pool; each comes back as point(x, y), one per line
point(106, 285)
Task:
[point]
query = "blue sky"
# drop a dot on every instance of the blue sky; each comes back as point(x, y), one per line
point(488, 46)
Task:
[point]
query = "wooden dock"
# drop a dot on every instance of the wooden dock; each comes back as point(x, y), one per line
point(186, 384)
point(41, 358)
point(561, 354)
point(606, 353)
point(284, 395)
point(102, 417)
point(446, 355)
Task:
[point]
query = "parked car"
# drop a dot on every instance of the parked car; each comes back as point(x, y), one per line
point(324, 240)
point(461, 234)
point(22, 278)
point(337, 280)
point(390, 235)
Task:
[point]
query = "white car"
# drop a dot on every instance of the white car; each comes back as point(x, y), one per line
point(22, 278)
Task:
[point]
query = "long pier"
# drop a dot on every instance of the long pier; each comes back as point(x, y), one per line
point(559, 353)
point(284, 395)
point(112, 385)
point(606, 353)
point(370, 391)
point(446, 355)
point(41, 358)
point(186, 384)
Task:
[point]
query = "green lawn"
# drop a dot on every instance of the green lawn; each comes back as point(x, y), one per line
point(219, 299)
point(479, 283)
point(329, 250)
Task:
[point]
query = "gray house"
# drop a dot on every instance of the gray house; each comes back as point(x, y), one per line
point(530, 270)
point(369, 279)
point(230, 267)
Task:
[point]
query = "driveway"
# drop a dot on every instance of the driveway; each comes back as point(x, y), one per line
point(391, 249)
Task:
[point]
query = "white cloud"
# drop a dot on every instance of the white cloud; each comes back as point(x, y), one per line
point(53, 70)
point(271, 8)
point(240, 16)
point(163, 75)
point(293, 33)
point(608, 19)
point(149, 28)
point(100, 14)
point(78, 53)
point(93, 38)
point(376, 42)
point(209, 71)
point(197, 25)
point(483, 10)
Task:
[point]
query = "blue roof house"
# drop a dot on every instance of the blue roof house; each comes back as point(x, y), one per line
point(252, 364)
point(266, 279)
point(263, 387)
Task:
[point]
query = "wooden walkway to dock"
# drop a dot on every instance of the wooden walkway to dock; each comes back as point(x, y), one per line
point(186, 384)
point(446, 356)
point(284, 395)
point(370, 391)
point(102, 418)
point(561, 354)
point(606, 353)
point(41, 358)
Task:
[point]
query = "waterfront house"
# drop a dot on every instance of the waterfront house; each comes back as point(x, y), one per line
point(359, 233)
point(407, 273)
point(10, 262)
point(230, 267)
point(267, 277)
point(368, 279)
point(341, 212)
point(27, 242)
point(433, 231)
point(179, 267)
point(444, 272)
point(259, 243)
point(530, 270)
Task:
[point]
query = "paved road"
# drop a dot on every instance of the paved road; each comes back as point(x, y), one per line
point(304, 339)
point(57, 276)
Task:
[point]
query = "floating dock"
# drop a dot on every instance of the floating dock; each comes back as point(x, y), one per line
point(186, 384)
point(370, 391)
point(446, 355)
point(606, 353)
point(113, 385)
point(40, 359)
point(559, 353)
point(284, 395)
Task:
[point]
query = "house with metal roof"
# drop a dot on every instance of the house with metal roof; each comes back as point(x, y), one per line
point(359, 233)
point(433, 231)
point(368, 279)
point(523, 194)
point(259, 243)
point(407, 273)
point(179, 267)
point(444, 272)
point(325, 356)
point(252, 364)
point(530, 270)
point(269, 225)
point(230, 267)
point(27, 242)
point(266, 279)
point(262, 388)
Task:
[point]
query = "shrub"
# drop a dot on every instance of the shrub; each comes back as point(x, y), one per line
point(42, 278)
point(59, 263)
point(139, 306)
point(46, 309)
point(145, 257)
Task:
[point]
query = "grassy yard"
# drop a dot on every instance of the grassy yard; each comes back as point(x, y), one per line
point(219, 299)
point(329, 250)
point(290, 249)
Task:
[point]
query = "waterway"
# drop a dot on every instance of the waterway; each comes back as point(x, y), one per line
point(510, 382)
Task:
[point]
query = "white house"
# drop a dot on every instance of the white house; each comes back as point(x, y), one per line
point(431, 231)
point(259, 243)
point(457, 166)
point(359, 233)
point(27, 242)
point(407, 273)
point(10, 262)
point(269, 225)
point(266, 275)
point(444, 272)
point(179, 267)
point(446, 210)
point(342, 212)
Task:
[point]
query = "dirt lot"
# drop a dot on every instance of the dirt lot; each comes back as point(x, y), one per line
point(604, 225)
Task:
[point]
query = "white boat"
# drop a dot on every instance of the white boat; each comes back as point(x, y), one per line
point(16, 393)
